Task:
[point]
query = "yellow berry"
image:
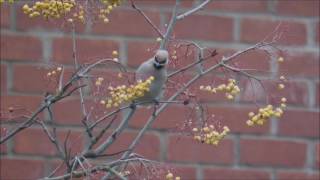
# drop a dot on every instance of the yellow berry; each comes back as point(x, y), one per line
point(249, 123)
point(25, 7)
point(198, 138)
point(225, 128)
point(169, 176)
point(229, 96)
point(206, 129)
point(281, 86)
point(115, 53)
point(280, 59)
point(105, 20)
point(251, 114)
point(70, 20)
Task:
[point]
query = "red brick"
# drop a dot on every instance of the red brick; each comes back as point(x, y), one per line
point(20, 48)
point(5, 16)
point(21, 169)
point(295, 92)
point(25, 23)
point(185, 55)
point(300, 64)
point(272, 153)
point(235, 119)
point(171, 118)
point(3, 74)
point(138, 52)
point(234, 174)
point(87, 50)
point(317, 155)
point(157, 171)
point(255, 30)
point(298, 8)
point(68, 112)
point(222, 52)
point(317, 93)
point(36, 142)
point(285, 175)
point(53, 164)
point(238, 6)
point(316, 32)
point(299, 123)
point(22, 105)
point(185, 172)
point(205, 28)
point(159, 3)
point(185, 149)
point(128, 23)
point(33, 141)
point(3, 148)
point(253, 60)
point(148, 146)
point(28, 78)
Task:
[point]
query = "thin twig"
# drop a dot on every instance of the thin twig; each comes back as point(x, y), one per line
point(171, 25)
point(190, 82)
point(24, 125)
point(117, 131)
point(197, 8)
point(134, 6)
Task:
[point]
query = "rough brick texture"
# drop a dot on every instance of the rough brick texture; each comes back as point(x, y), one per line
point(282, 149)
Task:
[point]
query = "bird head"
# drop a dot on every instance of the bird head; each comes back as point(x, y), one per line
point(160, 59)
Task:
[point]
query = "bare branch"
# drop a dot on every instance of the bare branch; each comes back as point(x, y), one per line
point(117, 132)
point(171, 25)
point(134, 6)
point(191, 11)
point(181, 90)
point(24, 125)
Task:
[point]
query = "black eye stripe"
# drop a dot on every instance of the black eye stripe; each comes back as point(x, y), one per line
point(160, 62)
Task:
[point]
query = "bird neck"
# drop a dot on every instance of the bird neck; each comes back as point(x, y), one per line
point(157, 65)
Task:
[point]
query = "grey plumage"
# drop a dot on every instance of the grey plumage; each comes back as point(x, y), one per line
point(156, 67)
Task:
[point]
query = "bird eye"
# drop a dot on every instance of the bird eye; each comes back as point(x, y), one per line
point(160, 61)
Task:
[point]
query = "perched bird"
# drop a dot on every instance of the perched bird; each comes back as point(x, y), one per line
point(156, 67)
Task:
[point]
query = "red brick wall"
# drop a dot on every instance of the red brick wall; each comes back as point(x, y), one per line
point(284, 149)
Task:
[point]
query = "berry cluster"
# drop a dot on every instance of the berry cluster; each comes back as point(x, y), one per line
point(99, 81)
point(123, 93)
point(9, 1)
point(109, 5)
point(209, 135)
point(170, 176)
point(54, 72)
point(266, 113)
point(230, 89)
point(115, 55)
point(49, 8)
